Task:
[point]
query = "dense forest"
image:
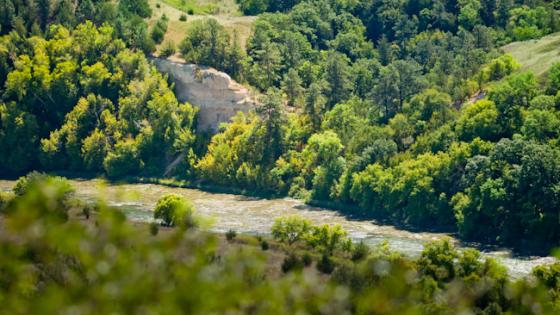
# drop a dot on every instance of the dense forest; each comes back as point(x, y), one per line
point(402, 110)
point(407, 110)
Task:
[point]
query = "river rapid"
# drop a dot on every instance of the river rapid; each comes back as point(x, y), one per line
point(256, 216)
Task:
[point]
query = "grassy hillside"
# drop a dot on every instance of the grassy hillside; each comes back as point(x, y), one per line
point(536, 55)
point(225, 12)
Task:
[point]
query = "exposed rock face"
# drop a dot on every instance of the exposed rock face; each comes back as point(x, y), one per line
point(218, 96)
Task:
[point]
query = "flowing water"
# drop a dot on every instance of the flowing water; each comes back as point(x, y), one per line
point(256, 215)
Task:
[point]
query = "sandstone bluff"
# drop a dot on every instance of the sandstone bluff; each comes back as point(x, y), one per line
point(218, 96)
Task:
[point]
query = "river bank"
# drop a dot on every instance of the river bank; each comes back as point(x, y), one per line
point(253, 215)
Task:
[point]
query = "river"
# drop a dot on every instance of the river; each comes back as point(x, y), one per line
point(256, 215)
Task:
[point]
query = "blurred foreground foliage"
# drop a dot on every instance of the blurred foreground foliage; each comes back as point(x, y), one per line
point(52, 261)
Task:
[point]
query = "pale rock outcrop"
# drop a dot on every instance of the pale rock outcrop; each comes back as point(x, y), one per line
point(215, 93)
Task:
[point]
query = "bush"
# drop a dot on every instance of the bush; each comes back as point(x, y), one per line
point(231, 235)
point(25, 182)
point(86, 211)
point(190, 11)
point(292, 263)
point(174, 210)
point(264, 245)
point(290, 229)
point(31, 191)
point(167, 49)
point(154, 228)
point(5, 198)
point(307, 259)
point(326, 264)
point(159, 30)
point(360, 252)
point(329, 238)
point(183, 18)
point(64, 191)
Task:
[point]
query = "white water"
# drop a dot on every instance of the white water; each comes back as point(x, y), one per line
point(256, 215)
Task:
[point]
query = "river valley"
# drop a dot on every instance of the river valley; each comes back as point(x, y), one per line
point(255, 215)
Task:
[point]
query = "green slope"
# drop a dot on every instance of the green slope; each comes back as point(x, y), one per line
point(536, 55)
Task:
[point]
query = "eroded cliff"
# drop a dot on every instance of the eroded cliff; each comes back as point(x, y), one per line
point(218, 96)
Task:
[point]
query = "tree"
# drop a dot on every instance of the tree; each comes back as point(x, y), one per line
point(385, 51)
point(554, 78)
point(469, 15)
point(207, 43)
point(136, 7)
point(291, 86)
point(291, 229)
point(409, 79)
point(480, 119)
point(337, 77)
point(272, 121)
point(322, 163)
point(174, 210)
point(315, 105)
point(386, 93)
point(267, 63)
point(19, 132)
point(328, 238)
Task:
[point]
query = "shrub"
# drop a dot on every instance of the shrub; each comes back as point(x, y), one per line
point(264, 245)
point(167, 49)
point(326, 264)
point(292, 263)
point(360, 252)
point(31, 191)
point(174, 210)
point(183, 18)
point(290, 229)
point(231, 235)
point(63, 190)
point(190, 11)
point(328, 238)
point(5, 198)
point(159, 29)
point(25, 182)
point(307, 259)
point(154, 228)
point(86, 211)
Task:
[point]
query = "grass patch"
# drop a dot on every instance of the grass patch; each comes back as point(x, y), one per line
point(226, 12)
point(536, 55)
point(205, 7)
point(193, 6)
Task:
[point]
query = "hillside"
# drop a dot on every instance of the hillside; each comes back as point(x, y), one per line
point(536, 55)
point(227, 15)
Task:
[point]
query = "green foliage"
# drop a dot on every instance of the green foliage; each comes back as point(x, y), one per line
point(159, 29)
point(208, 43)
point(290, 230)
point(39, 186)
point(264, 245)
point(292, 262)
point(102, 107)
point(513, 189)
point(326, 264)
point(167, 49)
point(174, 210)
point(361, 251)
point(231, 235)
point(328, 238)
point(51, 266)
